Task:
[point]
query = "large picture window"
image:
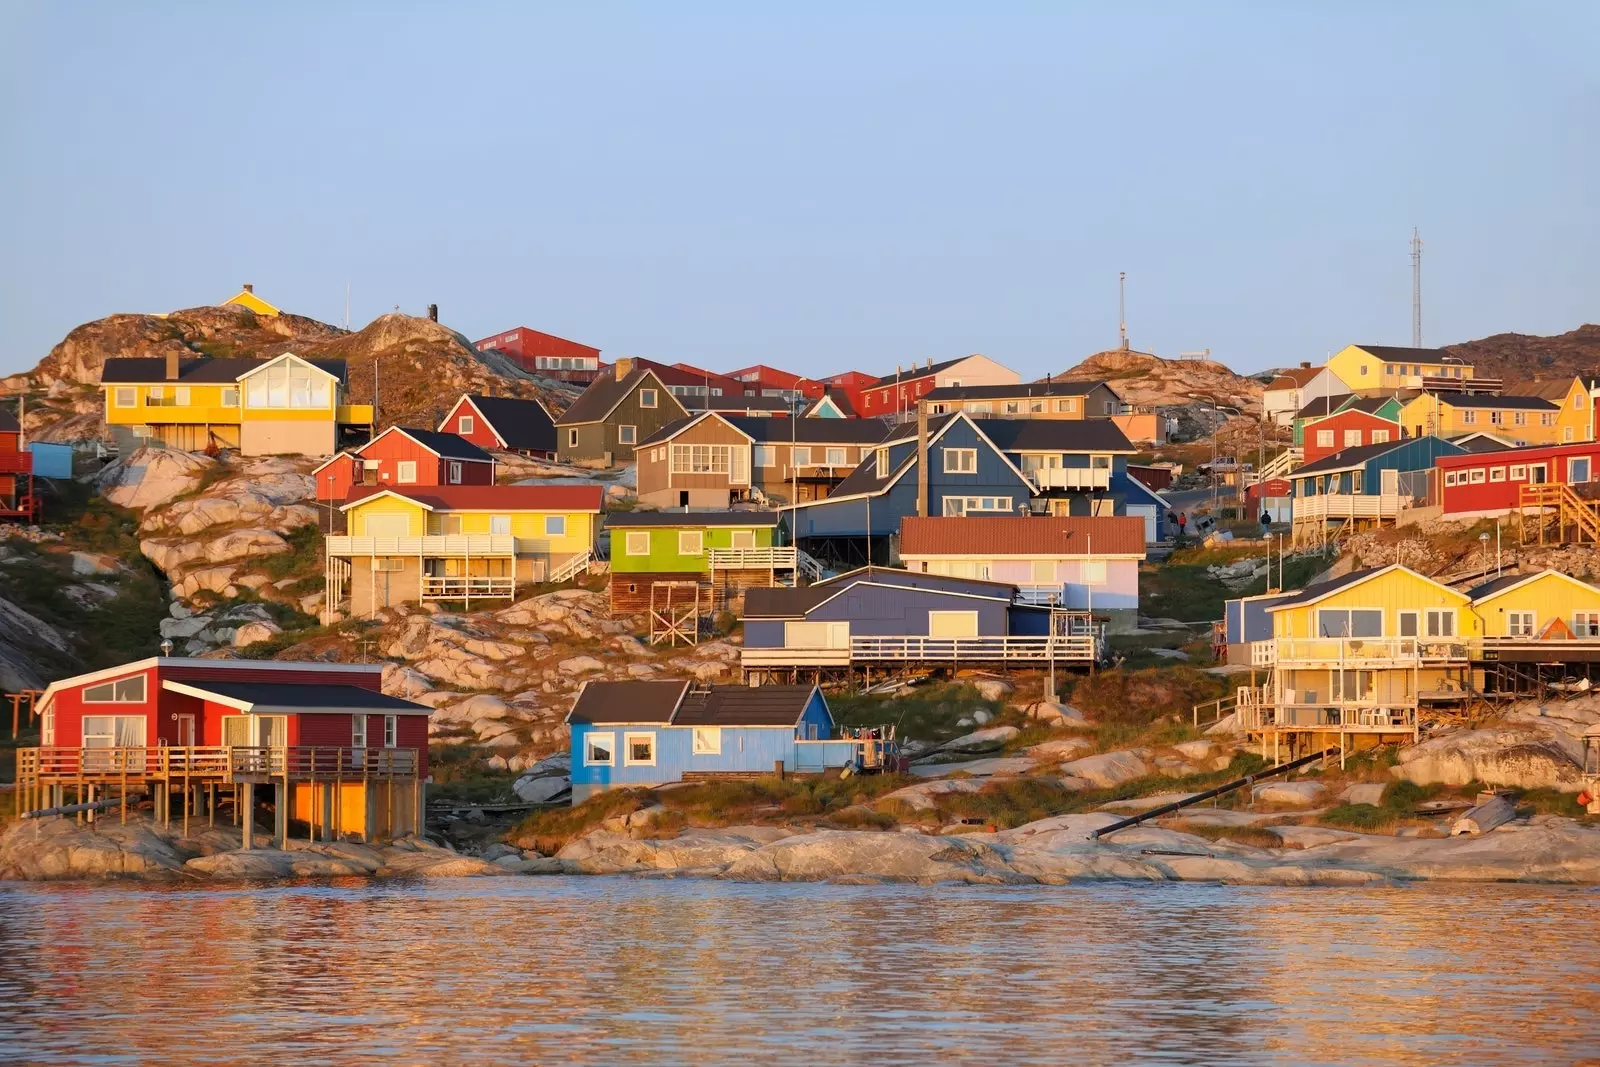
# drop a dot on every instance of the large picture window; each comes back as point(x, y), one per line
point(289, 385)
point(129, 690)
point(113, 731)
point(1350, 622)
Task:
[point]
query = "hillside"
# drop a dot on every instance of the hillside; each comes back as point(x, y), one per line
point(422, 365)
point(1519, 356)
point(1146, 379)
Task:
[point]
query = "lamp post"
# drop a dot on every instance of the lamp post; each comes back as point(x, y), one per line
point(796, 404)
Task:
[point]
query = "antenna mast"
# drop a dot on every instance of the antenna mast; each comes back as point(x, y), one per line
point(1416, 288)
point(1122, 313)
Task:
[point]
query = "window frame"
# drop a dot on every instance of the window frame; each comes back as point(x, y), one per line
point(748, 536)
point(128, 391)
point(405, 472)
point(1324, 438)
point(648, 398)
point(842, 452)
point(955, 455)
point(113, 684)
point(628, 542)
point(628, 738)
point(1429, 615)
point(705, 741)
point(452, 472)
point(572, 437)
point(226, 402)
point(465, 425)
point(1518, 472)
point(391, 731)
point(609, 745)
point(699, 542)
point(1497, 474)
point(1528, 620)
point(500, 525)
point(627, 434)
point(555, 526)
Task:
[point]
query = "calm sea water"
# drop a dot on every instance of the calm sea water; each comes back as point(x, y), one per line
point(614, 970)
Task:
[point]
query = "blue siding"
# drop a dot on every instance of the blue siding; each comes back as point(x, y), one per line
point(763, 633)
point(878, 611)
point(1029, 622)
point(744, 748)
point(50, 460)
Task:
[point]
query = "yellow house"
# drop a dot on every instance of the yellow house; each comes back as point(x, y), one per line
point(247, 297)
point(278, 406)
point(1575, 408)
point(458, 543)
point(1375, 370)
point(1544, 606)
point(1524, 420)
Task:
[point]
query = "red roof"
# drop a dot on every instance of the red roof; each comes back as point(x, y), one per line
point(1022, 535)
point(494, 497)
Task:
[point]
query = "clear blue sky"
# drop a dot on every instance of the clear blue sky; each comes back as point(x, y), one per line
point(823, 187)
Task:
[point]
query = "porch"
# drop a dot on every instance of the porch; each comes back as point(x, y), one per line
point(1084, 649)
point(366, 574)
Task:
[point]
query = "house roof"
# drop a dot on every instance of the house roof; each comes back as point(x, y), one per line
point(1014, 535)
point(652, 701)
point(207, 666)
point(812, 431)
point(915, 372)
point(1482, 400)
point(1392, 354)
point(1550, 388)
point(1295, 378)
point(735, 402)
point(1319, 406)
point(602, 396)
point(1056, 435)
point(1507, 582)
point(1369, 404)
point(777, 602)
point(1047, 387)
point(784, 602)
point(517, 422)
point(1318, 590)
point(292, 696)
point(8, 422)
point(501, 498)
point(642, 519)
point(444, 445)
point(840, 399)
point(152, 370)
point(1482, 442)
point(740, 705)
point(1348, 458)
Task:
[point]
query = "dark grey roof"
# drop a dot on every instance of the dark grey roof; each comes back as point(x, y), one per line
point(693, 518)
point(1391, 354)
point(606, 392)
point(915, 371)
point(781, 602)
point(841, 400)
point(669, 430)
point(1320, 589)
point(294, 695)
point(8, 422)
point(730, 402)
point(739, 705)
point(624, 702)
point(521, 424)
point(447, 445)
point(813, 431)
point(1480, 443)
point(1055, 435)
point(152, 370)
point(1369, 404)
point(1495, 585)
point(1489, 400)
point(1022, 389)
point(864, 479)
point(1319, 406)
point(1347, 458)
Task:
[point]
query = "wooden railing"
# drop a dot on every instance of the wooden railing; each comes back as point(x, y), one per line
point(573, 567)
point(1348, 506)
point(1082, 649)
point(460, 587)
point(1370, 653)
point(435, 545)
point(774, 558)
point(299, 762)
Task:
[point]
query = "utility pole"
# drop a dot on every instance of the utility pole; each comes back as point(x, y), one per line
point(1122, 308)
point(1416, 288)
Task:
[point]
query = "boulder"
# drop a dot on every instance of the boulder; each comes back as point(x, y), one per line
point(981, 717)
point(1290, 794)
point(580, 665)
point(1516, 759)
point(991, 688)
point(1062, 749)
point(94, 564)
point(920, 797)
point(1054, 714)
point(251, 632)
point(1194, 750)
point(1107, 769)
point(903, 857)
point(540, 789)
point(404, 682)
point(151, 476)
point(184, 628)
point(1363, 793)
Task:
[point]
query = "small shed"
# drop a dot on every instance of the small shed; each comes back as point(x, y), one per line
point(51, 460)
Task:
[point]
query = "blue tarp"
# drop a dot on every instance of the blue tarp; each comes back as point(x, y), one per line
point(51, 461)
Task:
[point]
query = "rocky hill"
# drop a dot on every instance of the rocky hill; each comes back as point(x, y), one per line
point(1146, 379)
point(1520, 356)
point(422, 366)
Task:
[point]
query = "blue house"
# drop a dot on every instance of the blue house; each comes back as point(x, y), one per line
point(1078, 467)
point(649, 733)
point(884, 616)
point(1366, 485)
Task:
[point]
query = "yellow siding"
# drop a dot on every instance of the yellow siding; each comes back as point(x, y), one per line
point(1572, 423)
point(244, 298)
point(205, 406)
point(1549, 596)
point(527, 526)
point(1426, 414)
point(1393, 593)
point(1356, 369)
point(417, 525)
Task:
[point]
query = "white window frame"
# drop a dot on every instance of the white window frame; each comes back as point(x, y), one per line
point(115, 726)
point(1092, 572)
point(572, 438)
point(1586, 624)
point(1522, 624)
point(1519, 472)
point(500, 524)
point(1352, 439)
point(391, 731)
point(1380, 437)
point(647, 398)
point(1350, 614)
point(1477, 476)
point(627, 434)
point(115, 685)
point(230, 396)
point(464, 425)
point(628, 738)
point(1324, 438)
point(1449, 478)
point(765, 456)
point(388, 564)
point(742, 539)
point(706, 741)
point(1412, 616)
point(358, 731)
point(881, 461)
point(697, 538)
point(800, 456)
point(636, 543)
point(453, 472)
point(956, 460)
point(836, 457)
point(609, 744)
point(1431, 619)
point(405, 472)
point(555, 526)
point(125, 396)
point(1497, 474)
point(1572, 462)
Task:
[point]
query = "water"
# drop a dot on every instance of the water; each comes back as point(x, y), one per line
point(612, 970)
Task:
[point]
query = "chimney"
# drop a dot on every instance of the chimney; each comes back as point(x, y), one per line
point(172, 366)
point(249, 288)
point(624, 366)
point(433, 312)
point(922, 459)
point(1305, 364)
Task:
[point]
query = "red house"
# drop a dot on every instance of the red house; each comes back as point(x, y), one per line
point(339, 755)
point(1486, 484)
point(401, 456)
point(17, 498)
point(763, 380)
point(852, 382)
point(1351, 428)
point(504, 422)
point(685, 379)
point(546, 354)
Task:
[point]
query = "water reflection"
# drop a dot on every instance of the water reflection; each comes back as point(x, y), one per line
point(607, 970)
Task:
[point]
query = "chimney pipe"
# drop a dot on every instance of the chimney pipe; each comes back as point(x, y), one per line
point(624, 367)
point(433, 312)
point(1305, 364)
point(172, 366)
point(249, 288)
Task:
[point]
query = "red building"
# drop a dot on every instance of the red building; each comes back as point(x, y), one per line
point(1487, 484)
point(1346, 429)
point(1153, 478)
point(17, 498)
point(507, 423)
point(402, 456)
point(685, 379)
point(338, 754)
point(546, 354)
point(763, 380)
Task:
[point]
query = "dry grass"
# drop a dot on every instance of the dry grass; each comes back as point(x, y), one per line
point(1253, 836)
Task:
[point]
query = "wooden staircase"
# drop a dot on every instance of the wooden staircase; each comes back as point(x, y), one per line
point(1576, 518)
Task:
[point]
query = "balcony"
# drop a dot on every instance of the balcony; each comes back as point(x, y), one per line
point(1348, 506)
point(436, 546)
point(1358, 653)
point(467, 586)
point(353, 414)
point(1084, 648)
point(737, 559)
point(212, 762)
point(1071, 477)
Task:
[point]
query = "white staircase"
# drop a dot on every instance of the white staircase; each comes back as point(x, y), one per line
point(579, 564)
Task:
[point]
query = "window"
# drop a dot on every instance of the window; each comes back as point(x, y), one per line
point(1547, 418)
point(1036, 407)
point(388, 564)
point(1043, 572)
point(1476, 476)
point(980, 407)
point(450, 525)
point(113, 731)
point(960, 460)
point(1496, 417)
point(500, 524)
point(289, 384)
point(391, 731)
point(1408, 624)
point(129, 690)
point(1352, 438)
point(1349, 622)
point(405, 472)
point(1067, 405)
point(358, 731)
point(1578, 470)
point(765, 456)
point(1519, 624)
point(638, 750)
point(230, 396)
point(1363, 370)
point(968, 505)
point(1586, 624)
point(742, 539)
point(647, 398)
point(1013, 407)
point(1497, 474)
point(1449, 478)
point(816, 634)
point(627, 435)
point(464, 425)
point(1380, 437)
point(453, 475)
point(691, 543)
point(637, 543)
point(572, 438)
point(1469, 417)
point(836, 457)
point(1566, 435)
point(800, 456)
point(1519, 418)
point(703, 459)
point(881, 458)
point(1388, 369)
point(598, 748)
point(952, 624)
point(1441, 622)
point(1324, 438)
point(1092, 572)
point(127, 396)
point(555, 526)
point(1518, 473)
point(706, 741)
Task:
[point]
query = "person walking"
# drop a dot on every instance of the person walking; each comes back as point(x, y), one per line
point(1266, 524)
point(1183, 522)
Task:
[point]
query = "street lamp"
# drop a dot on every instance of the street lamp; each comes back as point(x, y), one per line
point(796, 405)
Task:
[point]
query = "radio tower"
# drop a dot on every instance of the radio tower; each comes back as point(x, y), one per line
point(1122, 314)
point(1416, 288)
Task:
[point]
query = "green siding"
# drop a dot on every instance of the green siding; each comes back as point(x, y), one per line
point(664, 557)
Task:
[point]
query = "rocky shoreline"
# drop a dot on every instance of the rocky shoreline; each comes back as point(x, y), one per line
point(1055, 851)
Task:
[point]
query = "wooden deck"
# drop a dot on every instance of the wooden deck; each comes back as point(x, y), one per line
point(932, 651)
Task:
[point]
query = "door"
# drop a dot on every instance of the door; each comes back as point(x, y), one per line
point(185, 731)
point(738, 466)
point(1390, 482)
point(1537, 473)
point(952, 624)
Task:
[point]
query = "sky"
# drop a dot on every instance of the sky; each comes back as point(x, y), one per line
point(818, 186)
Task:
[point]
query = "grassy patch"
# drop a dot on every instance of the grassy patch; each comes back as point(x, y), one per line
point(304, 557)
point(459, 773)
point(1142, 697)
point(551, 830)
point(1367, 818)
point(1550, 802)
point(929, 713)
point(1254, 836)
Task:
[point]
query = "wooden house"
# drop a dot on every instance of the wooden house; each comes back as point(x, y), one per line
point(18, 500)
point(896, 395)
point(718, 554)
point(1351, 426)
point(506, 423)
point(1473, 485)
point(1047, 399)
point(1085, 564)
point(1078, 468)
point(246, 297)
point(835, 403)
point(404, 456)
point(546, 354)
point(1525, 420)
point(1379, 370)
point(457, 543)
point(649, 733)
point(615, 413)
point(1363, 487)
point(337, 755)
point(1290, 391)
point(1574, 401)
point(898, 620)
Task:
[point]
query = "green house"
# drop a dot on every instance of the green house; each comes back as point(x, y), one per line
point(727, 548)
